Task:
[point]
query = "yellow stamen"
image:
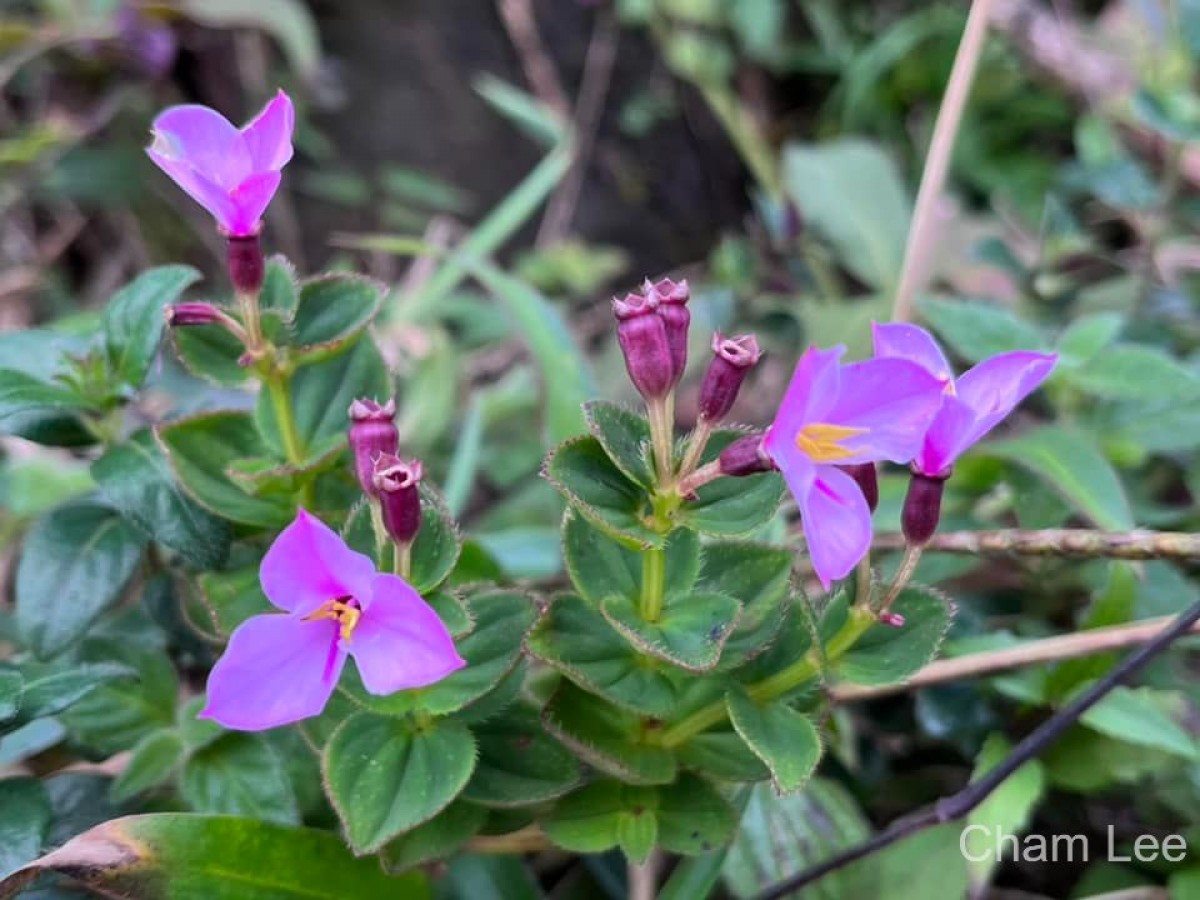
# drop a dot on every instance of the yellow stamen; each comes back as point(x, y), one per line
point(822, 442)
point(345, 614)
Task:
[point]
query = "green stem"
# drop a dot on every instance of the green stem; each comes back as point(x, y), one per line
point(402, 560)
point(782, 682)
point(696, 445)
point(277, 388)
point(654, 577)
point(661, 414)
point(751, 145)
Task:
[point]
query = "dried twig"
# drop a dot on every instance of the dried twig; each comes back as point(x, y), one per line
point(1060, 542)
point(521, 25)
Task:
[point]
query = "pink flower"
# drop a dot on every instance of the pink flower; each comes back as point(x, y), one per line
point(282, 668)
point(835, 415)
point(974, 404)
point(231, 172)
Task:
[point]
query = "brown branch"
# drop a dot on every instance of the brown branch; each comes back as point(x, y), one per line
point(521, 25)
point(1029, 653)
point(1061, 542)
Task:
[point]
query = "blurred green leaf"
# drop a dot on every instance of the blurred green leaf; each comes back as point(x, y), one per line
point(288, 21)
point(522, 109)
point(25, 822)
point(1137, 717)
point(133, 319)
point(1135, 372)
point(242, 775)
point(153, 761)
point(1007, 810)
point(975, 330)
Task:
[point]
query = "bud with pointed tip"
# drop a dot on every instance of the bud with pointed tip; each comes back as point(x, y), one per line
point(183, 314)
point(745, 456)
point(246, 265)
point(868, 481)
point(670, 300)
point(922, 507)
point(372, 434)
point(396, 482)
point(732, 359)
point(643, 339)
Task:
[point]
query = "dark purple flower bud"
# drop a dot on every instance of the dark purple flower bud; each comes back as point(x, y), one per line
point(732, 359)
point(745, 456)
point(670, 299)
point(643, 339)
point(372, 435)
point(246, 265)
point(399, 496)
point(922, 507)
point(868, 482)
point(182, 314)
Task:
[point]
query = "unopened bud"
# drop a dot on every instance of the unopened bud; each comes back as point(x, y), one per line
point(246, 265)
point(643, 339)
point(183, 314)
point(372, 435)
point(732, 359)
point(399, 496)
point(745, 456)
point(891, 619)
point(867, 478)
point(922, 507)
point(670, 300)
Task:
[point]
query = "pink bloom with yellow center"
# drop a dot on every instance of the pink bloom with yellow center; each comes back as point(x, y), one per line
point(973, 404)
point(280, 668)
point(232, 172)
point(836, 415)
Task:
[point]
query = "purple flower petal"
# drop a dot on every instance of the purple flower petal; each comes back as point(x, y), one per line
point(948, 436)
point(837, 524)
point(400, 643)
point(212, 197)
point(277, 669)
point(309, 565)
point(205, 140)
point(269, 135)
point(904, 341)
point(892, 401)
point(250, 200)
point(812, 391)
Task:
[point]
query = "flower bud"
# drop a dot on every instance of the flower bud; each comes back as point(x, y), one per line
point(922, 507)
point(891, 619)
point(732, 359)
point(643, 339)
point(183, 314)
point(868, 482)
point(372, 435)
point(745, 456)
point(670, 299)
point(399, 496)
point(246, 265)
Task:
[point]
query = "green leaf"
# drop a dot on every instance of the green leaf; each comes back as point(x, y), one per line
point(756, 575)
point(288, 21)
point(723, 756)
point(49, 689)
point(267, 477)
point(625, 437)
point(1007, 810)
point(437, 839)
point(438, 544)
point(1070, 463)
point(690, 632)
point(886, 654)
point(780, 836)
point(493, 877)
point(385, 776)
point(785, 740)
point(211, 353)
point(74, 564)
point(202, 448)
point(11, 688)
point(25, 823)
point(519, 764)
point(22, 396)
point(1135, 372)
point(693, 817)
point(582, 472)
point(232, 597)
point(279, 293)
point(637, 833)
point(608, 738)
point(589, 820)
point(133, 320)
point(239, 774)
point(730, 507)
point(1087, 336)
point(851, 194)
point(136, 479)
point(175, 855)
point(154, 760)
point(600, 567)
point(321, 394)
point(1137, 716)
point(578, 641)
point(333, 309)
point(977, 330)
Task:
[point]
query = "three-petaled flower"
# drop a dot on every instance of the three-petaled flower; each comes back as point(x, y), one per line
point(834, 415)
point(233, 173)
point(973, 404)
point(280, 668)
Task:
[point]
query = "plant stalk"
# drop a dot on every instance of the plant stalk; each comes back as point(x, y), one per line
point(654, 577)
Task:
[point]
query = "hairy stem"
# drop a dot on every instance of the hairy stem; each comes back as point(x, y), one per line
point(696, 444)
point(661, 415)
point(654, 577)
point(1073, 542)
point(277, 389)
point(908, 567)
point(402, 560)
point(956, 806)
